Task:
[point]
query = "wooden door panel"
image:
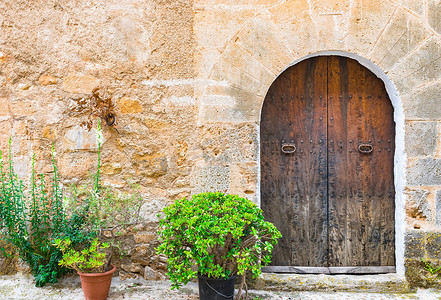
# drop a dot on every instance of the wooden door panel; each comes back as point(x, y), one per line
point(333, 204)
point(361, 188)
point(293, 114)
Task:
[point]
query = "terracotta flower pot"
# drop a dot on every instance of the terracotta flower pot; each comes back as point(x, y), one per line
point(96, 285)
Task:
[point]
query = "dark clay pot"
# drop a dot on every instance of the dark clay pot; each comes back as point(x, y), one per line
point(216, 289)
point(96, 285)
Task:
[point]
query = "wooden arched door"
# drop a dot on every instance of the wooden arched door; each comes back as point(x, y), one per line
point(327, 159)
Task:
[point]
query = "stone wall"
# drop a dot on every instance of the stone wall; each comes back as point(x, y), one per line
point(188, 79)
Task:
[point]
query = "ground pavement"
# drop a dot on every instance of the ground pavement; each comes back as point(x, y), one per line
point(22, 287)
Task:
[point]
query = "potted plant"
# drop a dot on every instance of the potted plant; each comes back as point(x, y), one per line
point(215, 236)
point(92, 264)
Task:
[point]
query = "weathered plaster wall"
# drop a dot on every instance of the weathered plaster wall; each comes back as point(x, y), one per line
point(142, 51)
point(188, 79)
point(53, 51)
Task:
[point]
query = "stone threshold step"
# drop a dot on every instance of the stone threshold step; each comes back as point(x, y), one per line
point(378, 283)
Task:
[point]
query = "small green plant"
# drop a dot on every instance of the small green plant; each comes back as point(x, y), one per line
point(29, 221)
point(92, 259)
point(222, 235)
point(432, 269)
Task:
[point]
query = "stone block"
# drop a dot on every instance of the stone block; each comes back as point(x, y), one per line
point(211, 178)
point(47, 79)
point(418, 205)
point(423, 104)
point(438, 208)
point(246, 108)
point(299, 33)
point(126, 275)
point(132, 267)
point(262, 39)
point(421, 138)
point(140, 260)
point(215, 27)
point(4, 108)
point(402, 35)
point(365, 21)
point(433, 245)
point(434, 15)
point(150, 274)
point(424, 172)
point(239, 78)
point(144, 237)
point(129, 106)
point(236, 4)
point(22, 108)
point(422, 66)
point(415, 5)
point(414, 244)
point(111, 168)
point(151, 165)
point(240, 69)
point(79, 138)
point(80, 83)
point(142, 250)
point(73, 164)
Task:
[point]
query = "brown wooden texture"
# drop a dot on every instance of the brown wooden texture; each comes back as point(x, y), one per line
point(333, 204)
point(294, 185)
point(360, 185)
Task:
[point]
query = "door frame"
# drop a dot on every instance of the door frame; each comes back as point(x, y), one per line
point(399, 155)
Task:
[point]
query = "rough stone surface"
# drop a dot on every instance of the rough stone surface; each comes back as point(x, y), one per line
point(150, 274)
point(438, 208)
point(144, 237)
point(418, 205)
point(434, 15)
point(421, 66)
point(425, 171)
point(415, 244)
point(421, 138)
point(423, 104)
point(402, 35)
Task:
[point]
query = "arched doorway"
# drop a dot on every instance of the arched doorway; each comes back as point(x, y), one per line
point(327, 161)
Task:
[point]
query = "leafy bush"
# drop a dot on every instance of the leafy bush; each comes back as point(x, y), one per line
point(221, 234)
point(31, 222)
point(92, 259)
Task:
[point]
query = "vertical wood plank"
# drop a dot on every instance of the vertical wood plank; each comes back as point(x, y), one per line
point(294, 185)
point(361, 186)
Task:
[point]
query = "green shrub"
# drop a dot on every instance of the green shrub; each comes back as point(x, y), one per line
point(30, 223)
point(222, 235)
